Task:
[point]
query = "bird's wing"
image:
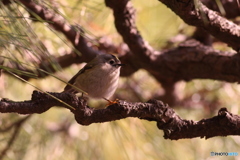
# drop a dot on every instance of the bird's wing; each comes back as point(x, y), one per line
point(73, 79)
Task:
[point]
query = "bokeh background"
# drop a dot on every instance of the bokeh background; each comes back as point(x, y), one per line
point(54, 135)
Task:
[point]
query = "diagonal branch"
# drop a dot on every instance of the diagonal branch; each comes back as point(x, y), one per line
point(124, 15)
point(200, 16)
point(229, 8)
point(173, 126)
point(73, 33)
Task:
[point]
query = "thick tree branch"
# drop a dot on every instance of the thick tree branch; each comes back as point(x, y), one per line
point(174, 127)
point(230, 7)
point(200, 62)
point(212, 22)
point(124, 15)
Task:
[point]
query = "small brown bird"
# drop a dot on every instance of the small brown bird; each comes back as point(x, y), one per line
point(98, 78)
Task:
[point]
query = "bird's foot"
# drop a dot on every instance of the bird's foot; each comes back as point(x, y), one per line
point(111, 102)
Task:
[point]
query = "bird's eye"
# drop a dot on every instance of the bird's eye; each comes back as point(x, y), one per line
point(111, 62)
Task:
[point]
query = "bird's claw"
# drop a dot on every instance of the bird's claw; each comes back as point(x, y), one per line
point(111, 102)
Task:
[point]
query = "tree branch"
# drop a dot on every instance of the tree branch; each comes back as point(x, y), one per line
point(186, 62)
point(212, 22)
point(192, 60)
point(73, 33)
point(189, 61)
point(124, 15)
point(230, 7)
point(173, 126)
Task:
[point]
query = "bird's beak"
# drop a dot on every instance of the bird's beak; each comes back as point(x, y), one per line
point(119, 64)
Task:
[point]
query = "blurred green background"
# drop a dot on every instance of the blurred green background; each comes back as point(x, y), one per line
point(54, 135)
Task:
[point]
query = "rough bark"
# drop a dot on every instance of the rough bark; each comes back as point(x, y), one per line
point(173, 126)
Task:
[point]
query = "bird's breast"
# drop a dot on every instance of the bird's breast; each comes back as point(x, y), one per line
point(99, 83)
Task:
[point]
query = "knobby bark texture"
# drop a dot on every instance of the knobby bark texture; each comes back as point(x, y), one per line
point(173, 126)
point(227, 8)
point(195, 13)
